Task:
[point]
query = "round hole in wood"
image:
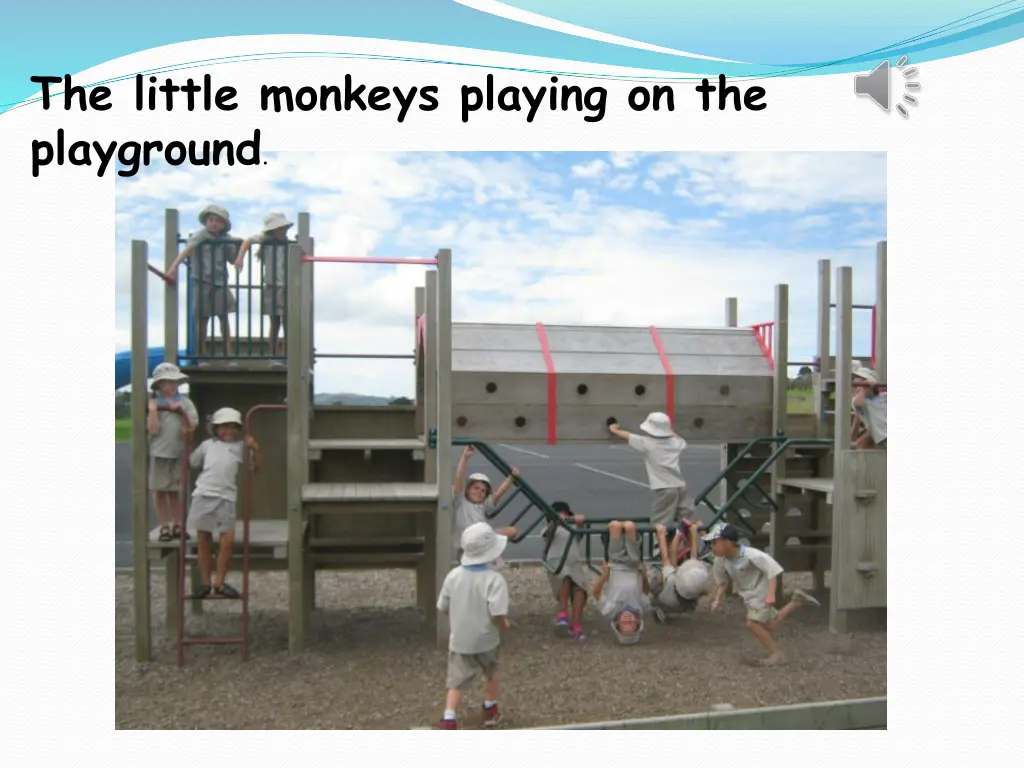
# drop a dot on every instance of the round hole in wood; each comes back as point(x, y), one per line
point(462, 421)
point(723, 390)
point(640, 390)
point(520, 421)
point(491, 387)
point(611, 420)
point(581, 389)
point(698, 423)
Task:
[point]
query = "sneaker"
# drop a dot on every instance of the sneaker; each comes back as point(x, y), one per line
point(202, 592)
point(802, 598)
point(492, 717)
point(578, 635)
point(659, 614)
point(562, 624)
point(226, 591)
point(447, 725)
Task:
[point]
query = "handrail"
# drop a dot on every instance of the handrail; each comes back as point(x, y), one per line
point(764, 333)
point(162, 275)
point(370, 260)
point(362, 356)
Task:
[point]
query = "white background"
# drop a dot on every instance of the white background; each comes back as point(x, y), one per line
point(955, 278)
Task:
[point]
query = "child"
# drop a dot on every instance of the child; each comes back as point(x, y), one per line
point(273, 242)
point(622, 591)
point(681, 581)
point(753, 574)
point(166, 430)
point(213, 501)
point(475, 597)
point(473, 501)
point(661, 448)
point(870, 411)
point(568, 583)
point(212, 297)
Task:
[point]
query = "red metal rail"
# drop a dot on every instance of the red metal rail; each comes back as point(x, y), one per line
point(162, 275)
point(369, 260)
point(542, 334)
point(765, 335)
point(670, 385)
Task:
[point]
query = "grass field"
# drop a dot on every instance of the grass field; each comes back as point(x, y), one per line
point(800, 401)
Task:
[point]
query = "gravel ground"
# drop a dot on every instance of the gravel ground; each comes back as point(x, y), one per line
point(372, 663)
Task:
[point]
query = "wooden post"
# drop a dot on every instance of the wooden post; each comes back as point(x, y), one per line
point(824, 345)
point(732, 313)
point(435, 540)
point(420, 308)
point(779, 409)
point(443, 523)
point(140, 451)
point(297, 463)
point(304, 338)
point(881, 352)
point(843, 422)
point(306, 243)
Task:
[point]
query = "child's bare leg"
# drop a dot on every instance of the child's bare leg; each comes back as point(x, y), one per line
point(579, 602)
point(452, 699)
point(174, 502)
point(629, 529)
point(201, 335)
point(492, 687)
point(225, 329)
point(205, 544)
point(275, 330)
point(225, 547)
point(764, 636)
point(160, 502)
point(563, 595)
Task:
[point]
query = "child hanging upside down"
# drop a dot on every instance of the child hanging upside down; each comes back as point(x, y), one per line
point(681, 581)
point(568, 583)
point(213, 501)
point(622, 591)
point(753, 574)
point(473, 499)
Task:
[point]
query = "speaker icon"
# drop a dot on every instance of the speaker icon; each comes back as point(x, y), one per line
point(875, 86)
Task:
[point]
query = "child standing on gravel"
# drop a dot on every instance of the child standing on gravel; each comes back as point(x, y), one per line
point(218, 460)
point(753, 574)
point(568, 583)
point(473, 500)
point(273, 243)
point(171, 415)
point(661, 448)
point(622, 591)
point(475, 597)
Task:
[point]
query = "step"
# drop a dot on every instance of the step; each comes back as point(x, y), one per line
point(367, 543)
point(266, 537)
point(366, 559)
point(317, 447)
point(346, 493)
point(825, 485)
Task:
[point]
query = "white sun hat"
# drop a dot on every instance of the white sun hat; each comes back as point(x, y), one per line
point(861, 372)
point(274, 221)
point(216, 210)
point(657, 425)
point(167, 372)
point(481, 545)
point(478, 477)
point(226, 416)
point(691, 580)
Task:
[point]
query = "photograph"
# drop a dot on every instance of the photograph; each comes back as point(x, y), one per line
point(519, 439)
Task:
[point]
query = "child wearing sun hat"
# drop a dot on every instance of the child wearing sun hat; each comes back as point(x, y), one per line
point(273, 253)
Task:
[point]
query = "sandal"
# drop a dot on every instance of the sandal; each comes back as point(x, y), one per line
point(202, 593)
point(177, 533)
point(226, 591)
point(165, 534)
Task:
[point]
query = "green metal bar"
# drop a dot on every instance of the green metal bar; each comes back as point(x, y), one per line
point(497, 510)
point(248, 280)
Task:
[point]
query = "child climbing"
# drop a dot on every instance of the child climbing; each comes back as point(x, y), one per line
point(273, 254)
point(475, 597)
point(622, 591)
point(568, 583)
point(753, 574)
point(218, 460)
point(661, 448)
point(210, 260)
point(870, 411)
point(683, 577)
point(171, 415)
point(473, 500)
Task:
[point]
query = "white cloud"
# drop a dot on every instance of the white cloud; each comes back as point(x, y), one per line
point(652, 186)
point(623, 181)
point(590, 170)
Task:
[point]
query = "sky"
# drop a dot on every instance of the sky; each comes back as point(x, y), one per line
point(620, 238)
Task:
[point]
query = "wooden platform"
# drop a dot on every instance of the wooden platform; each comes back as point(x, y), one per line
point(825, 485)
point(266, 537)
point(364, 492)
point(317, 447)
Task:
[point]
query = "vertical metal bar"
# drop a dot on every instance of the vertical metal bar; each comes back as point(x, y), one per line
point(732, 312)
point(438, 547)
point(305, 238)
point(249, 290)
point(246, 532)
point(879, 316)
point(824, 344)
point(444, 423)
point(170, 288)
point(297, 463)
point(140, 450)
point(420, 308)
point(843, 422)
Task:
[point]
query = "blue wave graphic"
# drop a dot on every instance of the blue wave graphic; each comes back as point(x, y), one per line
point(813, 37)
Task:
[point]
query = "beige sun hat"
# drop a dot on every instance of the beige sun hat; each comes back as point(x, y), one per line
point(274, 221)
point(216, 210)
point(481, 544)
point(861, 372)
point(657, 425)
point(167, 372)
point(226, 416)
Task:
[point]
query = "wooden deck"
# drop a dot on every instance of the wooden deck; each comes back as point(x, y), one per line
point(317, 447)
point(825, 485)
point(364, 492)
point(265, 537)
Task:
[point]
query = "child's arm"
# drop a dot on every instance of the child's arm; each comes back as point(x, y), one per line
point(443, 599)
point(152, 419)
point(619, 432)
point(251, 444)
point(497, 603)
point(242, 250)
point(196, 459)
point(694, 546)
point(668, 558)
point(172, 271)
point(505, 485)
point(460, 471)
point(771, 569)
point(501, 622)
point(722, 583)
point(599, 586)
point(644, 582)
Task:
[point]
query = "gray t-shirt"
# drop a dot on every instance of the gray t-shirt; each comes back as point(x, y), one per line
point(467, 513)
point(623, 588)
point(674, 579)
point(274, 256)
point(472, 597)
point(218, 464)
point(559, 538)
point(873, 414)
point(750, 572)
point(210, 262)
point(168, 443)
point(661, 454)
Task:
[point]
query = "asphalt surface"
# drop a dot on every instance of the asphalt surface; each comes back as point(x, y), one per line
point(596, 480)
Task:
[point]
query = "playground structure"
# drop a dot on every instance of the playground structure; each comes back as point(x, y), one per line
point(349, 487)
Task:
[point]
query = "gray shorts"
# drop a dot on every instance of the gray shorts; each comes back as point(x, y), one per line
point(213, 301)
point(164, 474)
point(463, 667)
point(670, 505)
point(212, 514)
point(273, 301)
point(624, 551)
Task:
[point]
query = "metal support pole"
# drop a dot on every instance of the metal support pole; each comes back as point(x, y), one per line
point(732, 313)
point(824, 344)
point(444, 426)
point(297, 463)
point(843, 422)
point(140, 450)
point(780, 404)
point(881, 353)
